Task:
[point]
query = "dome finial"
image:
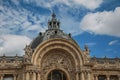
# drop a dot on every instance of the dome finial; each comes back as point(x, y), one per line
point(53, 15)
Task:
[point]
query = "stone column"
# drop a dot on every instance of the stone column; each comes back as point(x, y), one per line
point(15, 76)
point(82, 76)
point(38, 76)
point(77, 75)
point(34, 75)
point(1, 76)
point(108, 77)
point(31, 75)
point(88, 76)
point(95, 77)
point(27, 76)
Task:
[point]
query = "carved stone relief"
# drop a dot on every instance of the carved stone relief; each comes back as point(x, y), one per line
point(57, 59)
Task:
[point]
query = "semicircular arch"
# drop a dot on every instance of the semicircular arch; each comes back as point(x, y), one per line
point(69, 46)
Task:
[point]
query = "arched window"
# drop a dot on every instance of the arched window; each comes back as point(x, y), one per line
point(57, 75)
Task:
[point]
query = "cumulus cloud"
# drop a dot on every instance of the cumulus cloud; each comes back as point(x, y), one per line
point(16, 26)
point(103, 23)
point(20, 21)
point(113, 42)
point(90, 4)
point(13, 44)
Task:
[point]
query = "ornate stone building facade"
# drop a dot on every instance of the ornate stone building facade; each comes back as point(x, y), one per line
point(54, 55)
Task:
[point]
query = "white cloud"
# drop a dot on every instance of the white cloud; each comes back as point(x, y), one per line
point(13, 44)
point(89, 4)
point(14, 22)
point(15, 1)
point(107, 23)
point(113, 42)
point(21, 21)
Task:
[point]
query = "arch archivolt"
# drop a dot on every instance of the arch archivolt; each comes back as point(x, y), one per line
point(70, 47)
point(60, 48)
point(58, 54)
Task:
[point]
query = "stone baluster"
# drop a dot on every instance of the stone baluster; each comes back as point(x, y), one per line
point(34, 75)
point(27, 76)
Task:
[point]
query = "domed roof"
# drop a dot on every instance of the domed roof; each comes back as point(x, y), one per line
point(53, 31)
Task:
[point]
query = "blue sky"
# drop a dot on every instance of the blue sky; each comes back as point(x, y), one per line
point(92, 22)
